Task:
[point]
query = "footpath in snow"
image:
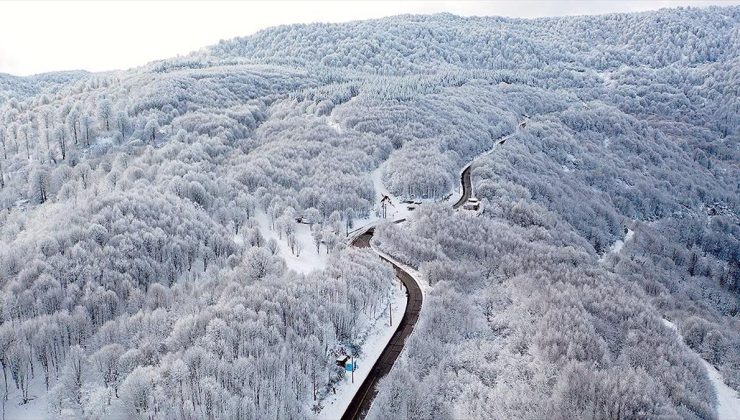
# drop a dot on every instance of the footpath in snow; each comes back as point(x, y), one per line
point(728, 400)
point(617, 246)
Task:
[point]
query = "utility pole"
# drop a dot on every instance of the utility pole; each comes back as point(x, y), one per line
point(390, 313)
point(384, 205)
point(352, 363)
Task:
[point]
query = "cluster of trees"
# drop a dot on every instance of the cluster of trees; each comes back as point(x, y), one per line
point(132, 297)
point(556, 196)
point(123, 290)
point(413, 44)
point(435, 133)
point(300, 161)
point(518, 325)
point(690, 270)
point(246, 340)
point(15, 88)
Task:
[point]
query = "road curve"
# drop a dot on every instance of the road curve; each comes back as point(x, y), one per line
point(365, 395)
point(467, 187)
point(465, 182)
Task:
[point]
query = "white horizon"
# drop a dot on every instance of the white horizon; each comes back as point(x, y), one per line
point(41, 37)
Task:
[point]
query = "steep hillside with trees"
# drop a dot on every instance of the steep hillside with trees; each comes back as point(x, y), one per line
point(136, 280)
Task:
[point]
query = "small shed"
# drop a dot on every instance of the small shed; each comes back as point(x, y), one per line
point(342, 360)
point(472, 204)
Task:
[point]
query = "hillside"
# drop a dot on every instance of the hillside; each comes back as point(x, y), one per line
point(151, 264)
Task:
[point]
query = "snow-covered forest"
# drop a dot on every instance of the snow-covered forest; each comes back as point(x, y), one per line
point(155, 222)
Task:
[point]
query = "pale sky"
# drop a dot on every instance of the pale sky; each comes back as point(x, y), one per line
point(38, 37)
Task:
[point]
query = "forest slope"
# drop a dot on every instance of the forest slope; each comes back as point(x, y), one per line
point(135, 280)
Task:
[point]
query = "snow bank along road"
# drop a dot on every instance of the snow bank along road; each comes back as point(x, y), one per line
point(360, 403)
point(362, 400)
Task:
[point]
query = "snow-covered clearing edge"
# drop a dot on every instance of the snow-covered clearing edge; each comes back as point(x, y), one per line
point(728, 400)
point(307, 261)
point(415, 274)
point(378, 337)
point(617, 246)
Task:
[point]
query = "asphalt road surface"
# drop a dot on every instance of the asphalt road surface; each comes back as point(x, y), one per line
point(467, 188)
point(364, 397)
point(360, 403)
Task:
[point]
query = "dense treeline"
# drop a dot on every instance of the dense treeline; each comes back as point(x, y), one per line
point(124, 290)
point(518, 325)
point(551, 298)
point(136, 281)
point(405, 44)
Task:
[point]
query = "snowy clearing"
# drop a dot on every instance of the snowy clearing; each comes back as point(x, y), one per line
point(617, 246)
point(334, 124)
point(395, 210)
point(728, 401)
point(307, 260)
point(34, 409)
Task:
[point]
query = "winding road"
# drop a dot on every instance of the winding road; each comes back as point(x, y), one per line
point(365, 395)
point(467, 187)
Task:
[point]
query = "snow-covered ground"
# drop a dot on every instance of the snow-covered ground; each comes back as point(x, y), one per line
point(423, 285)
point(728, 400)
point(617, 246)
point(34, 409)
point(308, 260)
point(37, 407)
point(334, 124)
point(396, 210)
point(377, 338)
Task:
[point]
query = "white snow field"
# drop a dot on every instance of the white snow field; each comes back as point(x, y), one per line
point(617, 246)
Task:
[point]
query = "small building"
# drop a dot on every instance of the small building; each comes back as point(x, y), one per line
point(472, 204)
point(412, 204)
point(342, 360)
